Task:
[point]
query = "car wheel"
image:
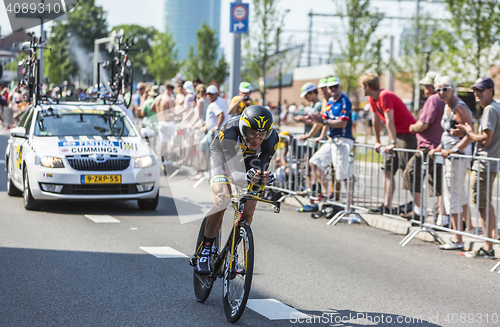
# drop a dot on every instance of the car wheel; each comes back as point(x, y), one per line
point(149, 204)
point(29, 201)
point(12, 190)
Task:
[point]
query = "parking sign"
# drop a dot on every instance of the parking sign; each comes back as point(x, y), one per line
point(238, 22)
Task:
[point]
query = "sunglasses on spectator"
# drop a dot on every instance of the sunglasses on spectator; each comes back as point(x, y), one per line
point(444, 89)
point(334, 86)
point(480, 90)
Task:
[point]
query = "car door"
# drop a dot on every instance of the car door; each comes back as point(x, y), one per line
point(18, 145)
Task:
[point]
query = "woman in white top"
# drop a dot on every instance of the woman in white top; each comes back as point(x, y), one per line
point(454, 194)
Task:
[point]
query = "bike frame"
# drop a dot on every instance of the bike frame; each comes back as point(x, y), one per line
point(238, 203)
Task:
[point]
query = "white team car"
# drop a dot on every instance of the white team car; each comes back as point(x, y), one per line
point(80, 151)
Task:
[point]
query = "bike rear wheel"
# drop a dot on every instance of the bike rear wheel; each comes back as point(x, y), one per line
point(202, 284)
point(238, 278)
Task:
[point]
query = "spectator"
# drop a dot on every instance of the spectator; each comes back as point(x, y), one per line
point(390, 110)
point(293, 110)
point(165, 105)
point(147, 111)
point(355, 118)
point(216, 117)
point(336, 121)
point(241, 101)
point(429, 131)
point(138, 99)
point(310, 93)
point(200, 106)
point(487, 145)
point(189, 97)
point(179, 97)
point(284, 113)
point(325, 92)
point(197, 81)
point(454, 193)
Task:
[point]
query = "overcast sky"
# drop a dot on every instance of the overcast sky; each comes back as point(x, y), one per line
point(150, 13)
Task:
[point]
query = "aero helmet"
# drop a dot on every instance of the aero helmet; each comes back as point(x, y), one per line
point(257, 118)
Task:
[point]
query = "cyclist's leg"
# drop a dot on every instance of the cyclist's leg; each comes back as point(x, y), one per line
point(249, 210)
point(215, 215)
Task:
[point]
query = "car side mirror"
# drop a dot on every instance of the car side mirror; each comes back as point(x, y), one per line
point(147, 133)
point(19, 132)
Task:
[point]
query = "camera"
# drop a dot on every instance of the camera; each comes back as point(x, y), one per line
point(453, 123)
point(246, 98)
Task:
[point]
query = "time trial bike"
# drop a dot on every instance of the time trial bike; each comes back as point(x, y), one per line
point(234, 261)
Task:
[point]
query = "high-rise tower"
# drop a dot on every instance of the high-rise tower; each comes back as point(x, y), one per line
point(184, 17)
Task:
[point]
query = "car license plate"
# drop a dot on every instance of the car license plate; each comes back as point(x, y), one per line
point(101, 179)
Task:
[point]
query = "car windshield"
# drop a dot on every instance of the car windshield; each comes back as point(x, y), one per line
point(78, 123)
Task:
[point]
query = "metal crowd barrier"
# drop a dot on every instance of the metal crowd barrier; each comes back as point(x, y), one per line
point(472, 215)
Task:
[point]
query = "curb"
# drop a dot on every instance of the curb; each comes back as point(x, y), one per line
point(403, 228)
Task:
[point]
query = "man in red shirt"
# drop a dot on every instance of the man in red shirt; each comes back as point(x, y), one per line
point(390, 110)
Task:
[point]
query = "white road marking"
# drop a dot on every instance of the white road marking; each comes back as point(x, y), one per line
point(163, 252)
point(274, 310)
point(69, 138)
point(97, 138)
point(84, 138)
point(2, 162)
point(112, 138)
point(102, 219)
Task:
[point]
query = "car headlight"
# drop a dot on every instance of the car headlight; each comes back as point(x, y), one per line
point(51, 162)
point(143, 162)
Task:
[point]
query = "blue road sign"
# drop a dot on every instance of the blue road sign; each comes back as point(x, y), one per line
point(238, 23)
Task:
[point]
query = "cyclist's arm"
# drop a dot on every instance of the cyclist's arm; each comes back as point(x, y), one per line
point(268, 147)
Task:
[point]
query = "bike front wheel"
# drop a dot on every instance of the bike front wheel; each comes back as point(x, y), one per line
point(238, 271)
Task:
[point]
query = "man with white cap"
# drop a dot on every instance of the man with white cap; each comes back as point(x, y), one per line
point(428, 129)
point(216, 117)
point(241, 101)
point(309, 91)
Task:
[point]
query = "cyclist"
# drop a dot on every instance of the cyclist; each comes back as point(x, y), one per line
point(241, 152)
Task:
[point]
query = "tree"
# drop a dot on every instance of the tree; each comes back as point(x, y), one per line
point(205, 63)
point(72, 42)
point(417, 43)
point(162, 62)
point(362, 21)
point(143, 37)
point(476, 26)
point(59, 64)
point(261, 42)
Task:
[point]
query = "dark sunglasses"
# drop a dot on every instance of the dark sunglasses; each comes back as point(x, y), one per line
point(256, 135)
point(334, 86)
point(444, 89)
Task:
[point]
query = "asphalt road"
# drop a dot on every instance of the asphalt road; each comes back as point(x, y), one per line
point(59, 268)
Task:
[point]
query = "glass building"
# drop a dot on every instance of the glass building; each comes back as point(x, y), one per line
point(184, 17)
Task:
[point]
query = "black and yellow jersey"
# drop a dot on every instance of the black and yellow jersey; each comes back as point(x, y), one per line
point(229, 153)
